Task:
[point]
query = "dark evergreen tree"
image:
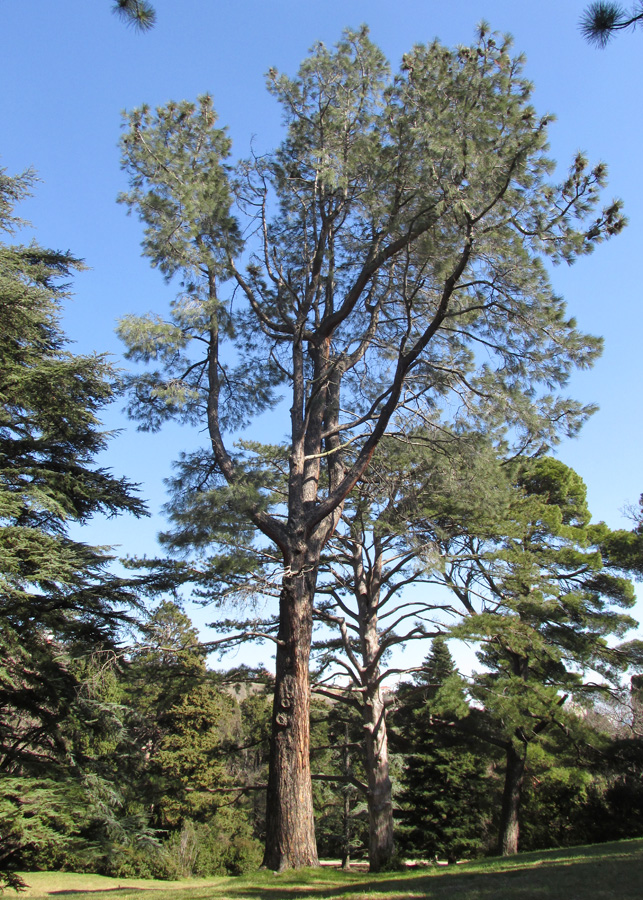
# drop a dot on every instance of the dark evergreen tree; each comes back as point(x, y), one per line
point(182, 720)
point(59, 604)
point(184, 724)
point(444, 797)
point(563, 795)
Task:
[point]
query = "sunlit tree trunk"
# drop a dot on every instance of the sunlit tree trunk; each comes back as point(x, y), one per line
point(380, 807)
point(290, 826)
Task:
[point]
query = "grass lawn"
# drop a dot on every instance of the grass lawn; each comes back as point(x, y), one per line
point(598, 872)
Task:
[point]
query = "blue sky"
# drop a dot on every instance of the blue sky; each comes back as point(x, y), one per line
point(70, 67)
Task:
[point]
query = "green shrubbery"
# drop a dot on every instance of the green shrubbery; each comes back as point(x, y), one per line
point(224, 846)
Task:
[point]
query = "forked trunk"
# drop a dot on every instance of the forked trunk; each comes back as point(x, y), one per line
point(290, 827)
point(510, 814)
point(380, 806)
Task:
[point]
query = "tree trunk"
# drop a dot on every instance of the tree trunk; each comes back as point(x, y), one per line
point(346, 851)
point(380, 805)
point(509, 817)
point(290, 826)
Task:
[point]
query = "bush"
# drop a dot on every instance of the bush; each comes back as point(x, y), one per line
point(223, 846)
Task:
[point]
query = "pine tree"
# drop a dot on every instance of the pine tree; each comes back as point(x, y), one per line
point(394, 240)
point(182, 722)
point(183, 725)
point(373, 592)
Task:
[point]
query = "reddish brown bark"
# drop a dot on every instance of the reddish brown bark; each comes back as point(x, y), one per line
point(290, 826)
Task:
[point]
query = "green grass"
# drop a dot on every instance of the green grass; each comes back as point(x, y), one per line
point(598, 872)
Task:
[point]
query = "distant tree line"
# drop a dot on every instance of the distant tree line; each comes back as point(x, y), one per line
point(169, 771)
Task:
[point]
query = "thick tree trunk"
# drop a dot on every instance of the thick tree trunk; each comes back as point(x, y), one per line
point(510, 813)
point(380, 806)
point(290, 827)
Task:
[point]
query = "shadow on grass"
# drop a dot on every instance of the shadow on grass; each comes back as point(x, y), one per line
point(599, 872)
point(607, 872)
point(116, 890)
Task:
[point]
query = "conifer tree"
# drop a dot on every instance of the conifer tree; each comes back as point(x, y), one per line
point(444, 791)
point(374, 576)
point(185, 723)
point(183, 720)
point(399, 228)
point(59, 604)
point(543, 599)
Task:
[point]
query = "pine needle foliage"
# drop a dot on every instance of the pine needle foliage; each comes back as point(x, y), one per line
point(603, 19)
point(389, 255)
point(547, 606)
point(140, 14)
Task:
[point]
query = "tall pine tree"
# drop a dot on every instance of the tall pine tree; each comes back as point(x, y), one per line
point(395, 246)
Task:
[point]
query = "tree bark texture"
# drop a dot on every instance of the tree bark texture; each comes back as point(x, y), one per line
point(380, 806)
point(290, 826)
point(510, 813)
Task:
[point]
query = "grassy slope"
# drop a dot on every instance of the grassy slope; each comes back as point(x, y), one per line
point(599, 872)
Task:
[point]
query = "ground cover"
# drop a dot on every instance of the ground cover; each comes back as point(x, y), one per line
point(599, 872)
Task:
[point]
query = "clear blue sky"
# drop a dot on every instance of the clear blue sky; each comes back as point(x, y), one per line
point(70, 67)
